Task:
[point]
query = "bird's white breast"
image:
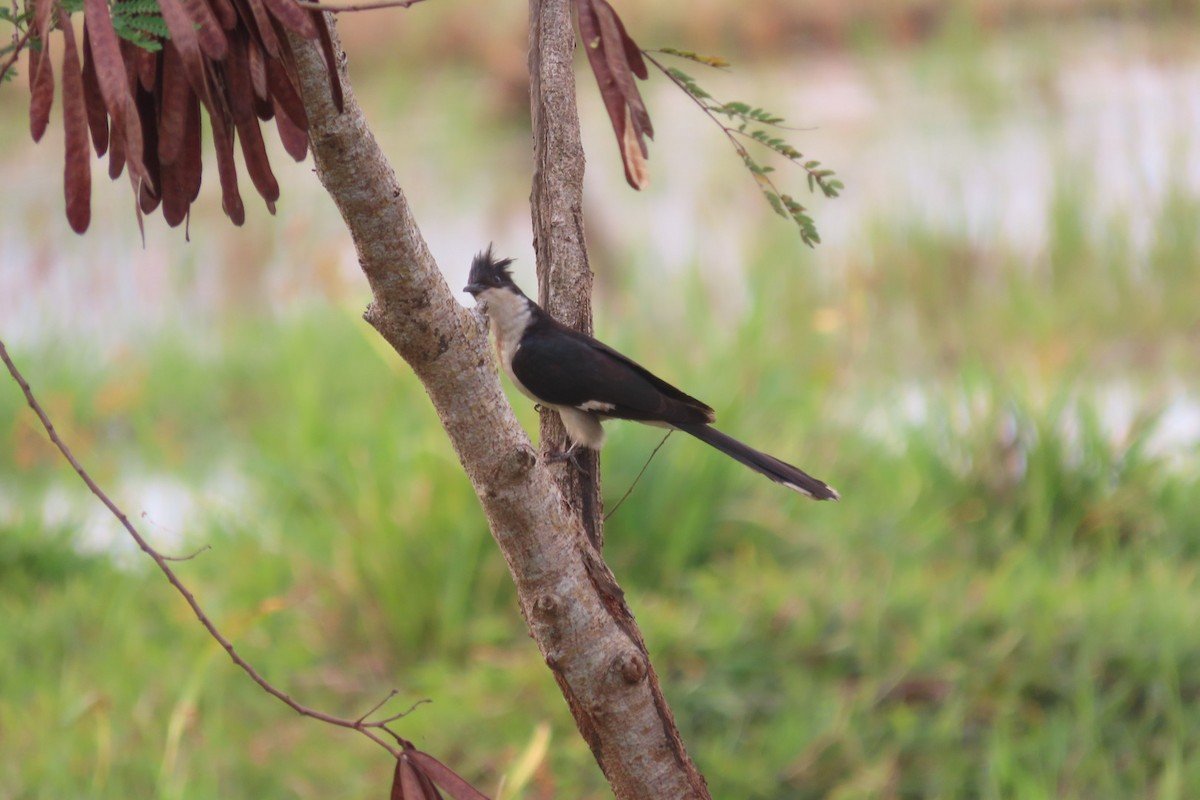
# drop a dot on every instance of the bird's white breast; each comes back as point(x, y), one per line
point(508, 315)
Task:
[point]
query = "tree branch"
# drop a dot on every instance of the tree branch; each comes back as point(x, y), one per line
point(565, 290)
point(556, 204)
point(571, 603)
point(370, 6)
point(361, 725)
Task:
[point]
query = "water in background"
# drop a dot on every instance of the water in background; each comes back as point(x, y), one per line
point(962, 138)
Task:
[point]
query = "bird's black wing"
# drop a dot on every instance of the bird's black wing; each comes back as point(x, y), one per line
point(564, 367)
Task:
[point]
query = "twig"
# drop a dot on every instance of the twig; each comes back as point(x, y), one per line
point(629, 491)
point(190, 556)
point(383, 722)
point(18, 46)
point(782, 127)
point(315, 6)
point(358, 725)
point(379, 705)
point(726, 129)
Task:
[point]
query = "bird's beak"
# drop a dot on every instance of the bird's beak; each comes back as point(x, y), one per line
point(474, 289)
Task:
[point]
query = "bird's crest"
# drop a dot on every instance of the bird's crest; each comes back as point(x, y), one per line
point(487, 271)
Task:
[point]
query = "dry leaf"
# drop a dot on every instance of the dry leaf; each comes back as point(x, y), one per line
point(188, 42)
point(335, 83)
point(284, 94)
point(259, 26)
point(231, 198)
point(254, 153)
point(77, 169)
point(225, 13)
point(114, 85)
point(144, 109)
point(207, 30)
point(615, 61)
point(41, 74)
point(295, 141)
point(174, 94)
point(293, 17)
point(445, 777)
point(96, 114)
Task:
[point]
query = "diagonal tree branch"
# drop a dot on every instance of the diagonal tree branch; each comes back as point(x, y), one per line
point(361, 725)
point(571, 603)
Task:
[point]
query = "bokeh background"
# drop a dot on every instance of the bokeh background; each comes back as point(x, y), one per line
point(993, 355)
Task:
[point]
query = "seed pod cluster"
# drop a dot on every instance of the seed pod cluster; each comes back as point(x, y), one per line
point(144, 108)
point(616, 60)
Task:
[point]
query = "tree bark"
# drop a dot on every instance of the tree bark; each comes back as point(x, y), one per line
point(571, 603)
point(556, 203)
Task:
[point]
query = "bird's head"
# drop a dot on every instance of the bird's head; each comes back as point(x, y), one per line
point(488, 273)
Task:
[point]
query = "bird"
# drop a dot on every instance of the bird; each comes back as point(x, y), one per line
point(587, 382)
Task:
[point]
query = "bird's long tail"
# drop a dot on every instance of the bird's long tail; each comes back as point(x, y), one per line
point(773, 468)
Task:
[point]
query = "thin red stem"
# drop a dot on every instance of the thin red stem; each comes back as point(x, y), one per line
point(163, 565)
point(372, 6)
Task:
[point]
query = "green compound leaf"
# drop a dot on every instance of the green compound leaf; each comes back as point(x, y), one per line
point(762, 127)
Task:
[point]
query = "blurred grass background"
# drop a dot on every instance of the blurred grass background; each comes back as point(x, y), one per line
point(992, 356)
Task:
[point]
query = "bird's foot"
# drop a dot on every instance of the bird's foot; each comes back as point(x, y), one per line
point(571, 454)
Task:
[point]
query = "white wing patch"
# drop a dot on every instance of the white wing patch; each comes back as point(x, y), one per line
point(595, 405)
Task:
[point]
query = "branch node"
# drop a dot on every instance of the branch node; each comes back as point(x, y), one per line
point(547, 605)
point(376, 707)
point(383, 722)
point(631, 667)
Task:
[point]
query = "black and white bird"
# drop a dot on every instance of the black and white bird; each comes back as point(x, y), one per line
point(587, 382)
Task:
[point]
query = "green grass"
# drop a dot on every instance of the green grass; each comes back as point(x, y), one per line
point(1004, 604)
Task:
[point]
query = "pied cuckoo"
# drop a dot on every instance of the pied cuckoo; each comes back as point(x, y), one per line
point(588, 382)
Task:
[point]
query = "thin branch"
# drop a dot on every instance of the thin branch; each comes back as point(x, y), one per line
point(645, 466)
point(18, 45)
point(379, 705)
point(162, 561)
point(378, 4)
point(383, 722)
point(190, 556)
point(782, 127)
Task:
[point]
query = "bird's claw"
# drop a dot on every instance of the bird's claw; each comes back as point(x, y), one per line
point(571, 455)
